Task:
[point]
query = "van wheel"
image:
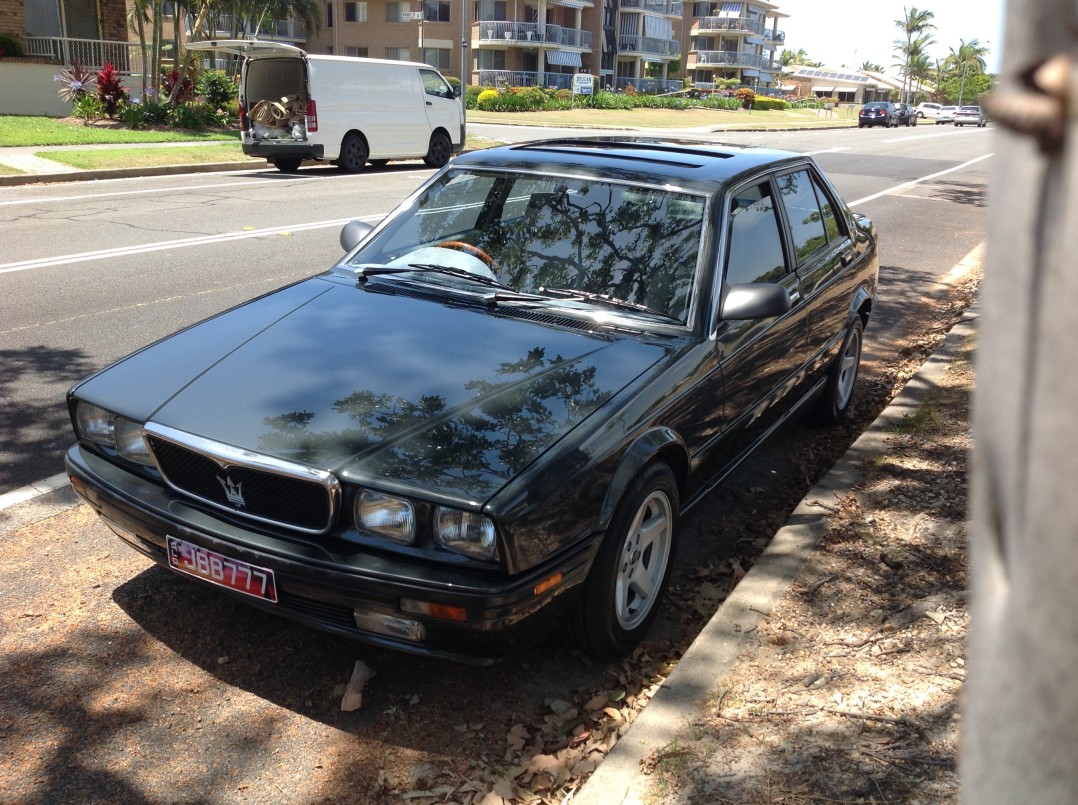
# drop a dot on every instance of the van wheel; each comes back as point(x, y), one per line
point(621, 595)
point(353, 154)
point(287, 164)
point(440, 150)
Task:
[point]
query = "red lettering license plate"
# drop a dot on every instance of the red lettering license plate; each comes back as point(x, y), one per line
point(222, 571)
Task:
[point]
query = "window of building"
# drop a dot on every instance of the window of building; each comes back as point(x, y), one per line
point(490, 60)
point(491, 10)
point(356, 53)
point(437, 57)
point(398, 54)
point(436, 10)
point(355, 12)
point(329, 15)
point(395, 10)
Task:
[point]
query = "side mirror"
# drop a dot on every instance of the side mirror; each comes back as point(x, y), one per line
point(353, 232)
point(755, 300)
point(456, 91)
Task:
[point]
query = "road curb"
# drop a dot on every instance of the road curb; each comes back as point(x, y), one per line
point(690, 687)
point(128, 173)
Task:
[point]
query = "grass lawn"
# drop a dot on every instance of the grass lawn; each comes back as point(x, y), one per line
point(25, 130)
point(102, 159)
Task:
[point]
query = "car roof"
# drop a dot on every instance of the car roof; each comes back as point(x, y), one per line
point(692, 163)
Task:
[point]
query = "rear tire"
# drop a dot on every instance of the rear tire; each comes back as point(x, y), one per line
point(354, 153)
point(621, 596)
point(833, 406)
point(439, 151)
point(287, 164)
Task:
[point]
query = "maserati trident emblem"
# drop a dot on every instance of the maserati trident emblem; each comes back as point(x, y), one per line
point(234, 492)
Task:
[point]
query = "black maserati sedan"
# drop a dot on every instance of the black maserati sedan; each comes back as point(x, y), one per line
point(493, 412)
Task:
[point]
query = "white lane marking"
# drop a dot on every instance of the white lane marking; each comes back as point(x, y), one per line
point(915, 182)
point(834, 150)
point(926, 135)
point(83, 257)
point(175, 189)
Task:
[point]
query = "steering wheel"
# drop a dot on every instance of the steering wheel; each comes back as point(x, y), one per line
point(475, 251)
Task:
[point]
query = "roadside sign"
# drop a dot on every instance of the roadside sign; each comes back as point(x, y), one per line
point(411, 16)
point(583, 84)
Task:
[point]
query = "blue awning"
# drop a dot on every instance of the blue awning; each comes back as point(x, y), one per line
point(563, 58)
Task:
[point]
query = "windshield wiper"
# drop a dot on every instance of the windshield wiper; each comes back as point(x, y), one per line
point(371, 270)
point(610, 301)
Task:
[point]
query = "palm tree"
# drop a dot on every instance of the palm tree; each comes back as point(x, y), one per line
point(916, 26)
point(870, 67)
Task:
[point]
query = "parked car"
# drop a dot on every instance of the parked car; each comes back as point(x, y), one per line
point(494, 411)
point(928, 109)
point(877, 113)
point(906, 115)
point(946, 114)
point(970, 116)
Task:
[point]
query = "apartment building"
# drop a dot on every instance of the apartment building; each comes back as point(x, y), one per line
point(734, 40)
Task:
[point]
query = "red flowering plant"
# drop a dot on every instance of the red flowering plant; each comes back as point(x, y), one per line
point(110, 91)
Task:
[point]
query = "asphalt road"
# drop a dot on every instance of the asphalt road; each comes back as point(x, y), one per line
point(122, 682)
point(92, 271)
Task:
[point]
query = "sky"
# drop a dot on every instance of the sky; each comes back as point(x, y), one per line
point(851, 32)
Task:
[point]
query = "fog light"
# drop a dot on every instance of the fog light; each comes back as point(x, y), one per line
point(548, 583)
point(390, 625)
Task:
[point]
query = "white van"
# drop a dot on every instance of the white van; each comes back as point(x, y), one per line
point(349, 111)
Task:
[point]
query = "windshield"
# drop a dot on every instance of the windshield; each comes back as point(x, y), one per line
point(534, 233)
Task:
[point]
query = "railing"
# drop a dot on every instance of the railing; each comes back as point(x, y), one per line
point(648, 45)
point(669, 8)
point(740, 24)
point(573, 3)
point(519, 78)
point(277, 30)
point(650, 86)
point(732, 58)
point(92, 54)
point(523, 33)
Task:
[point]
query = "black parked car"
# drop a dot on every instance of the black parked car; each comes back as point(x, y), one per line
point(500, 403)
point(877, 113)
point(907, 115)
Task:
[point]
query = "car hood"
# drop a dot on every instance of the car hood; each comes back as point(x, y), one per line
point(378, 386)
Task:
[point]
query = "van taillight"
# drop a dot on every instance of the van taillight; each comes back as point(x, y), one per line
point(312, 117)
point(243, 118)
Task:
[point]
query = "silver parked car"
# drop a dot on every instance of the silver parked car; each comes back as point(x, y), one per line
point(970, 116)
point(946, 114)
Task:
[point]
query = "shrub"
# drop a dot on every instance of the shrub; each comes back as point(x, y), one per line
point(216, 87)
point(486, 98)
point(88, 107)
point(745, 96)
point(612, 100)
point(75, 82)
point(473, 95)
point(10, 46)
point(110, 91)
point(132, 113)
point(769, 104)
point(168, 82)
point(194, 115)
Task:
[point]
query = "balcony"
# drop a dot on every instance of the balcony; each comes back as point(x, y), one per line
point(573, 3)
point(732, 58)
point(522, 78)
point(666, 8)
point(648, 46)
point(650, 86)
point(524, 34)
point(92, 54)
point(738, 25)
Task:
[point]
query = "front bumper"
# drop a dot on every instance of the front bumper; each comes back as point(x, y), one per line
point(325, 588)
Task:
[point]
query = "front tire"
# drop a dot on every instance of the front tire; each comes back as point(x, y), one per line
point(833, 406)
point(621, 595)
point(439, 151)
point(354, 153)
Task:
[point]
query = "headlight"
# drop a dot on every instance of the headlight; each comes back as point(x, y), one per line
point(465, 532)
point(389, 517)
point(115, 433)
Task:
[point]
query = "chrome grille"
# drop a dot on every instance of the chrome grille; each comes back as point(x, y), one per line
point(249, 485)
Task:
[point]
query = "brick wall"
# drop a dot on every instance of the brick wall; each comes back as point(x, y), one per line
point(12, 18)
